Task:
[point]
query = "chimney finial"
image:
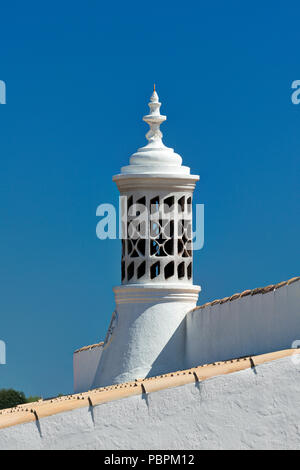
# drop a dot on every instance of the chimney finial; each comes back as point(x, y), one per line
point(154, 119)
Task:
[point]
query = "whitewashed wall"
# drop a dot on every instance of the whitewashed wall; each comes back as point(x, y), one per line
point(85, 364)
point(253, 409)
point(251, 325)
point(148, 338)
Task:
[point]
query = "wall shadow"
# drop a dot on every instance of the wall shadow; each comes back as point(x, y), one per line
point(173, 355)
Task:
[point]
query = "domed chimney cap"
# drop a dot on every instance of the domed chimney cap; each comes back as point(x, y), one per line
point(155, 157)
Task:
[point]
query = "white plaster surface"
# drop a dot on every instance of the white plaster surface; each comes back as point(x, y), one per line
point(155, 155)
point(85, 364)
point(148, 338)
point(251, 409)
point(251, 325)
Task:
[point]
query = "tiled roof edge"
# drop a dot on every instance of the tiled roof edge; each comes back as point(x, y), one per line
point(87, 348)
point(258, 290)
point(35, 411)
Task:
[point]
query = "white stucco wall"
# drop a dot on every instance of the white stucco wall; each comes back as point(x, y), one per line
point(253, 409)
point(251, 325)
point(148, 337)
point(85, 365)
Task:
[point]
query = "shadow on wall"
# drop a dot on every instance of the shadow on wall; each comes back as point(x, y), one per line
point(255, 324)
point(263, 321)
point(172, 357)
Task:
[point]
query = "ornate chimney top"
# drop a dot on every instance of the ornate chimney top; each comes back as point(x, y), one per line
point(154, 119)
point(155, 157)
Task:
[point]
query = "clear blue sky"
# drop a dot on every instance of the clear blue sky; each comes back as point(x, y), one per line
point(79, 76)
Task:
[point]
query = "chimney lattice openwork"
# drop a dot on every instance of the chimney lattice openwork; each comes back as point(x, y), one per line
point(157, 245)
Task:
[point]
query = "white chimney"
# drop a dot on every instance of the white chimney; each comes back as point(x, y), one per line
point(146, 335)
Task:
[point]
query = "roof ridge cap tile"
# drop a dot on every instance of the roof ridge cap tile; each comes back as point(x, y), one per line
point(87, 348)
point(245, 293)
point(34, 411)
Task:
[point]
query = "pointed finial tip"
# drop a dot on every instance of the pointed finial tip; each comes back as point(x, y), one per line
point(154, 96)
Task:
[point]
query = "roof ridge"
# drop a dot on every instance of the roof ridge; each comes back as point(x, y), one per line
point(91, 346)
point(245, 293)
point(34, 411)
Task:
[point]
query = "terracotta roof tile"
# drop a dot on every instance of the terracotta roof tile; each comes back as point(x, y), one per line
point(235, 296)
point(43, 408)
point(245, 293)
point(223, 301)
point(258, 290)
point(87, 348)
